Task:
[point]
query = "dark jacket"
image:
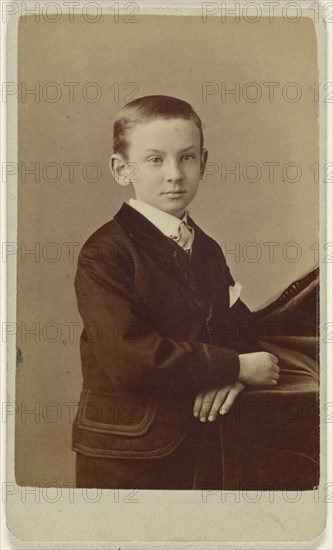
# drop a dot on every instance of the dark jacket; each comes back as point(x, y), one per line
point(157, 330)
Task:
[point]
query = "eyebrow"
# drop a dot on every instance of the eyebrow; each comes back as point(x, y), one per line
point(158, 151)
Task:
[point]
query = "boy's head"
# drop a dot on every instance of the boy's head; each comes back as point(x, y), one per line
point(158, 147)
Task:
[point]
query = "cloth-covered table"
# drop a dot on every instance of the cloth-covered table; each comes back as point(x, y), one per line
point(270, 438)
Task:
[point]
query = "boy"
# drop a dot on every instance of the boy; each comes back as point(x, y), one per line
point(160, 351)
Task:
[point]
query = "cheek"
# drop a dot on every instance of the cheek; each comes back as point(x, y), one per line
point(143, 175)
point(148, 182)
point(194, 176)
point(194, 169)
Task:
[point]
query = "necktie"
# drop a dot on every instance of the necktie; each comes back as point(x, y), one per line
point(185, 237)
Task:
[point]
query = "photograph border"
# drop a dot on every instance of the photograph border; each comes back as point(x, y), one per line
point(43, 520)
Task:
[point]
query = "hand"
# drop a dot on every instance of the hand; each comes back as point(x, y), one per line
point(258, 369)
point(217, 400)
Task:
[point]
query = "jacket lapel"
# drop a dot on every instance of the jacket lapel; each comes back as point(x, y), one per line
point(212, 273)
point(168, 255)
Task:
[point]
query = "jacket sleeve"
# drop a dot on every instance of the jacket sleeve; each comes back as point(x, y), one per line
point(125, 345)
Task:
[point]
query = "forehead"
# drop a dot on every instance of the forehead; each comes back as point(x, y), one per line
point(161, 133)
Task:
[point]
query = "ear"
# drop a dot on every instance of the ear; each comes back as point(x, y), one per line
point(118, 166)
point(204, 157)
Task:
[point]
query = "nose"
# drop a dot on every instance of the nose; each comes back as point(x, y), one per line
point(173, 171)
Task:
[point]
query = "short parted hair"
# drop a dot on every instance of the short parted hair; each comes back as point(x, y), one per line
point(145, 109)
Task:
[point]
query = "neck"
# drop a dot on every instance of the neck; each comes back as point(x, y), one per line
point(177, 214)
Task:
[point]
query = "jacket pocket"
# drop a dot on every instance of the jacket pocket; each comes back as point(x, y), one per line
point(115, 413)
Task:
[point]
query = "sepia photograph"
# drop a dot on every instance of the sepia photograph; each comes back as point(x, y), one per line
point(167, 245)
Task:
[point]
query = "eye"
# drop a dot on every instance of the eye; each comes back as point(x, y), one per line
point(189, 156)
point(155, 160)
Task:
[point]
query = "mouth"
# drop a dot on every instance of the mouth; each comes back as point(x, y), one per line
point(174, 193)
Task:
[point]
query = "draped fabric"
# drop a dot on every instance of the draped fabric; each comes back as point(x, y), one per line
point(270, 438)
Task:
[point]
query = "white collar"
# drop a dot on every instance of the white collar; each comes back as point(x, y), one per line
point(165, 222)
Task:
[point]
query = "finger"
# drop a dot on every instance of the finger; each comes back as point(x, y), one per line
point(218, 402)
point(234, 391)
point(274, 358)
point(275, 376)
point(274, 369)
point(198, 403)
point(270, 382)
point(207, 402)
